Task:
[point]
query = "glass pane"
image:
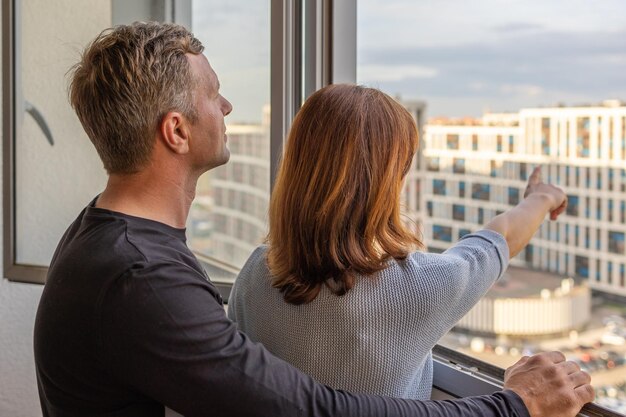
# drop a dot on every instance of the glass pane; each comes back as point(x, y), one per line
point(228, 218)
point(505, 89)
point(56, 166)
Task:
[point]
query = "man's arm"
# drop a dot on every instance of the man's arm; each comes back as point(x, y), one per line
point(164, 334)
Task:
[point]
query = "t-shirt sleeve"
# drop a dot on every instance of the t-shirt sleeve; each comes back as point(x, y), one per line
point(164, 334)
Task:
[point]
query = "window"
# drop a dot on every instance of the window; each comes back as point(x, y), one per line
point(528, 254)
point(523, 174)
point(443, 233)
point(481, 191)
point(432, 52)
point(44, 143)
point(582, 144)
point(458, 212)
point(582, 266)
point(439, 187)
point(228, 229)
point(433, 164)
point(616, 242)
point(513, 196)
point(545, 136)
point(458, 166)
point(452, 141)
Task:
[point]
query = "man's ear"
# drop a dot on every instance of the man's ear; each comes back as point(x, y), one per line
point(175, 132)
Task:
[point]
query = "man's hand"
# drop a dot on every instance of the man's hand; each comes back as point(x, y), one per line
point(549, 385)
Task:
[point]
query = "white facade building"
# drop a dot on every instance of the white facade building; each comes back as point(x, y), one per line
point(475, 170)
point(526, 303)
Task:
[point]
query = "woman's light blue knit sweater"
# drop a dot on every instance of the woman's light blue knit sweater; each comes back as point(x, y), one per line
point(378, 337)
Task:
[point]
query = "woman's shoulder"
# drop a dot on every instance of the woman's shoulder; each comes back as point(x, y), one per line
point(256, 261)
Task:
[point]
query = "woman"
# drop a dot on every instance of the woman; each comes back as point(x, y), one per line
point(341, 290)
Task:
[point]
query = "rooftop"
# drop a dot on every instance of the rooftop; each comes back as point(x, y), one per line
point(528, 283)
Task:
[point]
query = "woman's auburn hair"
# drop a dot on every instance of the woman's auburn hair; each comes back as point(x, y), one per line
point(335, 207)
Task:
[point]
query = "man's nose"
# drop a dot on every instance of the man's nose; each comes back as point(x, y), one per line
point(227, 108)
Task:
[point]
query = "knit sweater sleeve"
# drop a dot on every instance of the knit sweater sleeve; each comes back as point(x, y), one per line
point(459, 277)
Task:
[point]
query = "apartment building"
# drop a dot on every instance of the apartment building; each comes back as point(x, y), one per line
point(476, 169)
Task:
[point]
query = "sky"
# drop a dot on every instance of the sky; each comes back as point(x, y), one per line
point(467, 57)
point(236, 37)
point(461, 57)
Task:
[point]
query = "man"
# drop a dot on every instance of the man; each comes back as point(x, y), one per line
point(129, 323)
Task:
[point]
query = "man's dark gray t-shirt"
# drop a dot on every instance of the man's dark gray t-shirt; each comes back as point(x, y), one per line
point(129, 322)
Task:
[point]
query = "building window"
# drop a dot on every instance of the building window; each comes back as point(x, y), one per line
point(432, 164)
point(572, 205)
point(458, 212)
point(545, 136)
point(481, 215)
point(582, 266)
point(443, 233)
point(429, 208)
point(458, 166)
point(523, 174)
point(499, 143)
point(480, 191)
point(582, 144)
point(474, 142)
point(439, 187)
point(452, 141)
point(493, 172)
point(463, 232)
point(462, 189)
point(528, 254)
point(616, 242)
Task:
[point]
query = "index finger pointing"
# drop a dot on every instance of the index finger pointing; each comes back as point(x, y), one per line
point(535, 176)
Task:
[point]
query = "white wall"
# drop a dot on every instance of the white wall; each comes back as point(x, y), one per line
point(18, 387)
